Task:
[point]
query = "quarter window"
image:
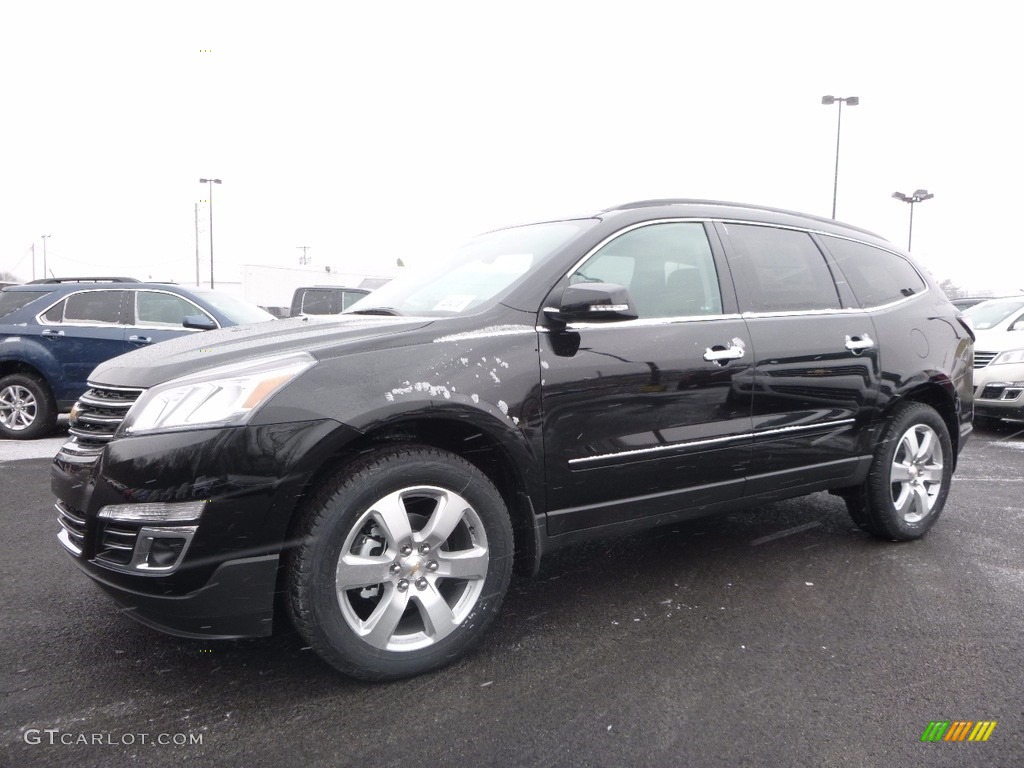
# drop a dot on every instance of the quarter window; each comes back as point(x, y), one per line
point(876, 277)
point(779, 270)
point(668, 269)
point(97, 307)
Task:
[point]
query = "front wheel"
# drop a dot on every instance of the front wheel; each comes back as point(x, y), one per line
point(909, 479)
point(403, 561)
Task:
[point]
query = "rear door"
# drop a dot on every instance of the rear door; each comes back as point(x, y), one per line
point(640, 417)
point(83, 330)
point(813, 386)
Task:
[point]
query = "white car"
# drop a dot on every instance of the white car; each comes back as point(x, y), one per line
point(999, 358)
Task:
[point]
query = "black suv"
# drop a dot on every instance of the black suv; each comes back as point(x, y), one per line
point(53, 332)
point(380, 472)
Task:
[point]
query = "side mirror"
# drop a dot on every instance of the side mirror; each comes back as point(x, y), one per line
point(593, 302)
point(198, 322)
point(1018, 325)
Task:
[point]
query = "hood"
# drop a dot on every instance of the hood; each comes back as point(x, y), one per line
point(998, 341)
point(320, 336)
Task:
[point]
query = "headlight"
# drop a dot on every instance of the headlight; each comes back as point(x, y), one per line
point(1013, 356)
point(227, 395)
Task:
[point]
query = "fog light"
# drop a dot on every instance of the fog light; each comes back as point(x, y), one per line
point(163, 553)
point(161, 550)
point(154, 512)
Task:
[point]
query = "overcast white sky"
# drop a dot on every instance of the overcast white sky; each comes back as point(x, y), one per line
point(378, 131)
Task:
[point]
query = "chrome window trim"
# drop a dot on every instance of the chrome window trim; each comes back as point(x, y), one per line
point(642, 322)
point(77, 323)
point(711, 441)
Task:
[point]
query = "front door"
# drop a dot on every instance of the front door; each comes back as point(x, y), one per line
point(640, 417)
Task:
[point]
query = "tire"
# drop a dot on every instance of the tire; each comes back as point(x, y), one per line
point(402, 563)
point(27, 409)
point(909, 479)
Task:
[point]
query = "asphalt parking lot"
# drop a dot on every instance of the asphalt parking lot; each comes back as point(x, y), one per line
point(782, 636)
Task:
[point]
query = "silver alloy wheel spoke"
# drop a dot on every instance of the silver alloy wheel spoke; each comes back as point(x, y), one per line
point(393, 517)
point(448, 514)
point(412, 568)
point(438, 618)
point(916, 473)
point(355, 571)
point(382, 623)
point(468, 564)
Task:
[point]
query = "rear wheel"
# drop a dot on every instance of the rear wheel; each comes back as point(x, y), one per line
point(403, 563)
point(906, 488)
point(27, 410)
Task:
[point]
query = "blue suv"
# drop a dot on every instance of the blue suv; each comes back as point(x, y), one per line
point(54, 332)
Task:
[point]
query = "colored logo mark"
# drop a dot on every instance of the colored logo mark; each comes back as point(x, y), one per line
point(958, 730)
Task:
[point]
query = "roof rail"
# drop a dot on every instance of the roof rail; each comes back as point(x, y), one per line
point(58, 280)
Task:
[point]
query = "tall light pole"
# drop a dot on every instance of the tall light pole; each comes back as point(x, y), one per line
point(209, 183)
point(44, 254)
point(852, 101)
point(197, 245)
point(919, 196)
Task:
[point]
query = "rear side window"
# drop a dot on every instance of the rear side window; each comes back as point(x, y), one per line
point(779, 270)
point(876, 277)
point(12, 300)
point(99, 307)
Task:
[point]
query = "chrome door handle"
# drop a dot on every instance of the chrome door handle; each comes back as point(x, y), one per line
point(859, 343)
point(722, 354)
point(53, 334)
point(140, 339)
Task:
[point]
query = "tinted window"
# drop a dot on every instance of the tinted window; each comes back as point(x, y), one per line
point(877, 277)
point(152, 308)
point(12, 300)
point(668, 269)
point(316, 302)
point(779, 270)
point(93, 307)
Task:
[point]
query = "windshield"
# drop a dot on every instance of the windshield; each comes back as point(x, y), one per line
point(238, 310)
point(989, 314)
point(479, 273)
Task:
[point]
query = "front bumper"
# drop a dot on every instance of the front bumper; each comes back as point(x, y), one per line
point(999, 391)
point(222, 583)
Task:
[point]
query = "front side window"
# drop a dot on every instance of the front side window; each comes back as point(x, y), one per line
point(154, 308)
point(317, 302)
point(668, 269)
point(876, 277)
point(779, 270)
point(93, 307)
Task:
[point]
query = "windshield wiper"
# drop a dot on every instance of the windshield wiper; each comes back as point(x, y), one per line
point(375, 311)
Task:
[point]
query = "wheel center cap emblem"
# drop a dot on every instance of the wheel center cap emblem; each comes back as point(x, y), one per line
point(413, 565)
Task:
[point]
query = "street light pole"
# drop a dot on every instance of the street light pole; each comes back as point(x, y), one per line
point(919, 196)
point(852, 101)
point(209, 183)
point(197, 245)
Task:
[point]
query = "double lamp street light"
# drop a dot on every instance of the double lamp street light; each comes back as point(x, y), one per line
point(851, 101)
point(918, 196)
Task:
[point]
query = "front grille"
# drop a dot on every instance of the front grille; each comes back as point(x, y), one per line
point(99, 412)
point(116, 544)
point(72, 523)
point(981, 359)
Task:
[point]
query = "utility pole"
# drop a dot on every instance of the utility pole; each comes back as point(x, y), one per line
point(303, 259)
point(33, 261)
point(44, 254)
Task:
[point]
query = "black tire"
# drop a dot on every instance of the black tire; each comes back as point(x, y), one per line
point(27, 409)
point(385, 612)
point(909, 479)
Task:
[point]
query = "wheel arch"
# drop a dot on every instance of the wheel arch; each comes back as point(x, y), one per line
point(939, 393)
